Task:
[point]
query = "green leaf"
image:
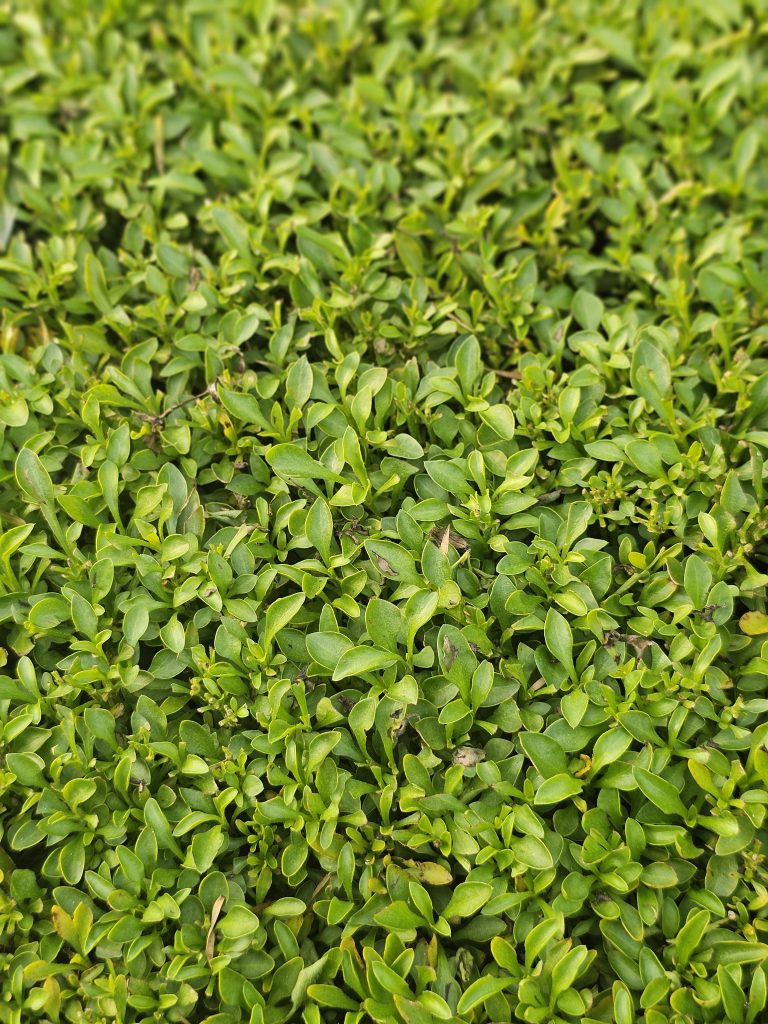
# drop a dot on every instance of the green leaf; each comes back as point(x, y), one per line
point(689, 937)
point(569, 968)
point(754, 623)
point(239, 921)
point(609, 747)
point(467, 898)
point(533, 853)
point(33, 479)
point(280, 613)
point(480, 990)
point(135, 624)
point(233, 229)
point(501, 419)
point(650, 374)
point(83, 616)
point(574, 706)
point(418, 611)
point(587, 309)
point(411, 253)
point(558, 638)
point(330, 995)
point(623, 1004)
point(392, 561)
point(359, 660)
point(556, 789)
point(403, 446)
point(540, 936)
point(384, 623)
point(35, 483)
point(28, 768)
point(78, 510)
point(545, 752)
point(287, 906)
point(157, 821)
point(96, 284)
point(469, 363)
point(646, 457)
point(660, 792)
point(739, 952)
point(398, 917)
point(293, 463)
point(298, 384)
point(319, 527)
point(172, 635)
point(698, 580)
point(243, 407)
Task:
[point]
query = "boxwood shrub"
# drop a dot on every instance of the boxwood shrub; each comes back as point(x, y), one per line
point(383, 418)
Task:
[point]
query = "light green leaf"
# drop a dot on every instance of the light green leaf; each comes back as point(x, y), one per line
point(545, 752)
point(467, 899)
point(33, 479)
point(556, 789)
point(293, 463)
point(319, 527)
point(558, 638)
point(359, 660)
point(280, 613)
point(480, 990)
point(661, 793)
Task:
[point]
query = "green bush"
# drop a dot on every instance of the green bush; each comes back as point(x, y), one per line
point(384, 412)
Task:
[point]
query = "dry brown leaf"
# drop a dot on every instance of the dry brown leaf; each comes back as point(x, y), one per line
point(384, 566)
point(439, 534)
point(429, 872)
point(468, 757)
point(450, 651)
point(210, 938)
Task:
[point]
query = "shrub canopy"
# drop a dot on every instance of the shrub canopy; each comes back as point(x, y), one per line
point(382, 557)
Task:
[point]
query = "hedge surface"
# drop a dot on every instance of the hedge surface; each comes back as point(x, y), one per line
point(384, 404)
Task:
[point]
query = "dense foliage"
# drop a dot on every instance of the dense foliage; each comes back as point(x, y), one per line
point(384, 410)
